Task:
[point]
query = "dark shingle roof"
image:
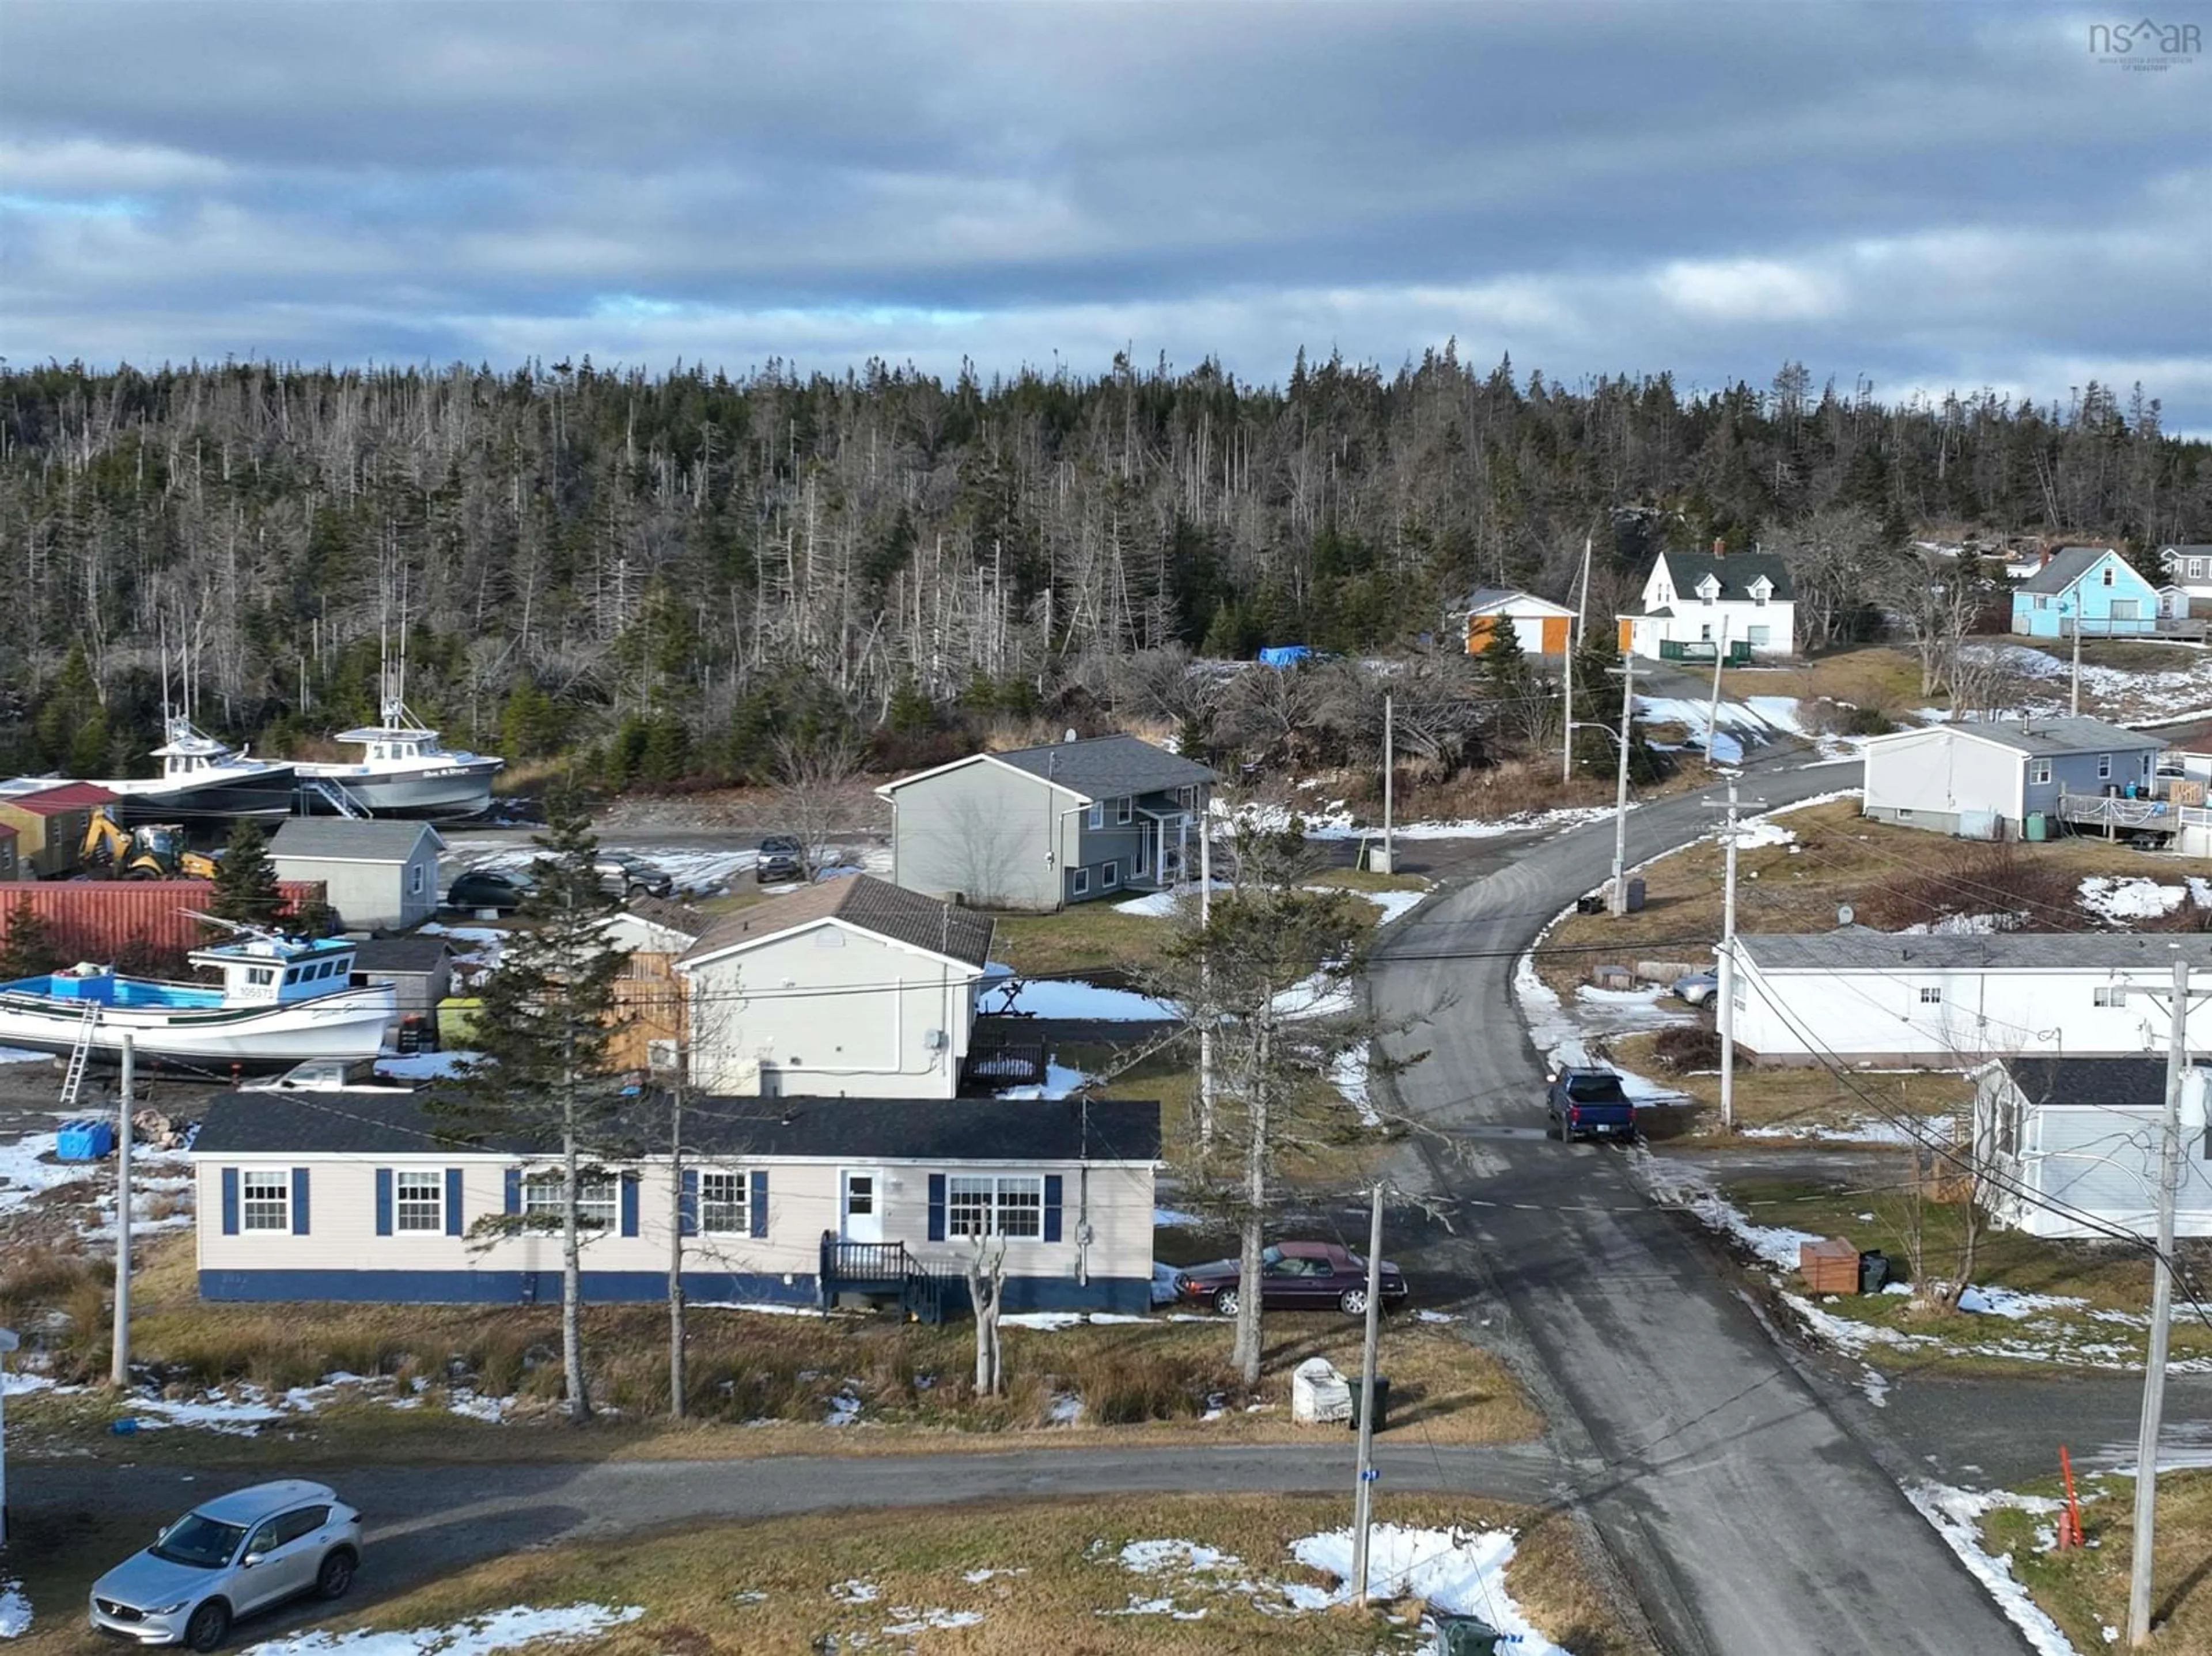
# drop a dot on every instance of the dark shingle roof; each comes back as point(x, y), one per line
point(900, 1129)
point(1735, 574)
point(862, 900)
point(1855, 947)
point(2066, 567)
point(669, 915)
point(1106, 767)
point(2104, 1083)
point(367, 840)
point(412, 954)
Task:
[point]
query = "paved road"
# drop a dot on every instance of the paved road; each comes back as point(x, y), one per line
point(425, 1521)
point(1747, 1521)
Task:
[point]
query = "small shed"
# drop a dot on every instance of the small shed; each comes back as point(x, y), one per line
point(50, 819)
point(420, 970)
point(381, 875)
point(651, 1026)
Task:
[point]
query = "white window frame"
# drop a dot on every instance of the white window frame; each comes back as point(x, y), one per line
point(1078, 882)
point(418, 1202)
point(1109, 875)
point(2108, 995)
point(724, 1202)
point(264, 1200)
point(1759, 637)
point(2042, 601)
point(2039, 773)
point(1124, 808)
point(1758, 596)
point(2107, 578)
point(1705, 632)
point(1010, 1205)
point(599, 1197)
point(414, 880)
point(1932, 994)
point(1097, 813)
point(2197, 569)
point(2104, 767)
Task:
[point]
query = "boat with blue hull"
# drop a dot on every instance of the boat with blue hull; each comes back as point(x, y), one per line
point(280, 1001)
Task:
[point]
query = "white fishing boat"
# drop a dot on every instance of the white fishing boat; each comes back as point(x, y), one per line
point(404, 770)
point(282, 1000)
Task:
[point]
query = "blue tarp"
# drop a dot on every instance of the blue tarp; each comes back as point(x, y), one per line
point(1284, 655)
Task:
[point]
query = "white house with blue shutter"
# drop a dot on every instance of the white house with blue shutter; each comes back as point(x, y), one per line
point(802, 1201)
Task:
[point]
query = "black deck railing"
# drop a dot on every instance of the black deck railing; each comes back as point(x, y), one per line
point(992, 1064)
point(882, 1269)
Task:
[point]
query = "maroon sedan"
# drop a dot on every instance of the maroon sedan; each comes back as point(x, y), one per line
point(1296, 1276)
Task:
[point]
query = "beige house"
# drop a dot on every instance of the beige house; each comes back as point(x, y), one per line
point(851, 987)
point(800, 1201)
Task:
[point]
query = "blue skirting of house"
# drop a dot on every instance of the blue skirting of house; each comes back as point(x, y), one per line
point(616, 1286)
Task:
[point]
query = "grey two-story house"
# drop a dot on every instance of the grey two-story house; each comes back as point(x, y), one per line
point(1040, 828)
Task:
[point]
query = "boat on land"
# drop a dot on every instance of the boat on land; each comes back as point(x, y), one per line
point(201, 779)
point(404, 770)
point(282, 1001)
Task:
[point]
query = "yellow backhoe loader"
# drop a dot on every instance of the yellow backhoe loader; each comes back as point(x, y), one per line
point(152, 851)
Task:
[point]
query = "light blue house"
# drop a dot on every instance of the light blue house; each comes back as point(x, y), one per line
point(2092, 588)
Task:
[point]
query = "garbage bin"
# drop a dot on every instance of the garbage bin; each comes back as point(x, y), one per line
point(1467, 1635)
point(1873, 1271)
point(1381, 1403)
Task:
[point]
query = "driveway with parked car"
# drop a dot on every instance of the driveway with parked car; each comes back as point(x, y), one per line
point(1295, 1277)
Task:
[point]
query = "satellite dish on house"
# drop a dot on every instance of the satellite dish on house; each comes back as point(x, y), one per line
point(1845, 914)
point(1069, 737)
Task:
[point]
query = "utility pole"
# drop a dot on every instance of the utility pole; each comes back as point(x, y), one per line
point(1390, 780)
point(118, 1371)
point(1713, 713)
point(2161, 1308)
point(1724, 990)
point(1618, 901)
point(1362, 1493)
point(680, 1208)
point(1567, 676)
point(1206, 979)
point(2074, 700)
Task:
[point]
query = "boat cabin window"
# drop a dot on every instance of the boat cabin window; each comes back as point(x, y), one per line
point(261, 976)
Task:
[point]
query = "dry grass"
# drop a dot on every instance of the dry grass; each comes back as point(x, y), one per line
point(1055, 1582)
point(2085, 1589)
point(1137, 1380)
point(1085, 938)
point(1800, 1095)
point(1873, 676)
point(1891, 876)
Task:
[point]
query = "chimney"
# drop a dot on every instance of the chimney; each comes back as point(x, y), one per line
point(2044, 562)
point(1720, 547)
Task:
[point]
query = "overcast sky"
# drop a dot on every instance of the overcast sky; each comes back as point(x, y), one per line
point(1930, 196)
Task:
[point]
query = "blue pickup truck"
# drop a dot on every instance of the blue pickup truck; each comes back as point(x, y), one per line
point(1587, 1103)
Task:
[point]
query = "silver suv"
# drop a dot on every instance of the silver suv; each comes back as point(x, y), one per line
point(240, 1553)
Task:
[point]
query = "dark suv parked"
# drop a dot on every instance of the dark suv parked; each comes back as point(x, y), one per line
point(782, 859)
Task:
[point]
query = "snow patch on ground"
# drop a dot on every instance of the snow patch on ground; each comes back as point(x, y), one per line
point(1866, 1130)
point(1957, 1516)
point(22, 1055)
point(1459, 1571)
point(1165, 905)
point(2131, 897)
point(423, 1066)
point(1348, 1074)
point(23, 1175)
point(1170, 1216)
point(916, 1621)
point(2107, 692)
point(1395, 905)
point(15, 1609)
point(1335, 822)
point(502, 1629)
point(1675, 1185)
point(1059, 1082)
point(1053, 1321)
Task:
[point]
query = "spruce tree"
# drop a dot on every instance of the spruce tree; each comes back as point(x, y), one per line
point(246, 889)
point(540, 1072)
point(27, 947)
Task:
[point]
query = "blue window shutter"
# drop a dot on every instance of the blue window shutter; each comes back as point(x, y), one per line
point(630, 1204)
point(937, 1207)
point(1052, 1189)
point(452, 1201)
point(230, 1201)
point(514, 1191)
point(756, 1208)
point(299, 1201)
point(384, 1201)
point(687, 1208)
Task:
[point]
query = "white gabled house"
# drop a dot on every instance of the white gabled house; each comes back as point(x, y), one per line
point(1861, 996)
point(1694, 604)
point(852, 985)
point(796, 1201)
point(2070, 1145)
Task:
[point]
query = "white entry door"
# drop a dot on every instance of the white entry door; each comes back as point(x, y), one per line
point(860, 1205)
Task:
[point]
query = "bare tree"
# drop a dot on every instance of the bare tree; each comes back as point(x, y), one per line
point(1938, 599)
point(985, 1271)
point(815, 790)
point(1834, 558)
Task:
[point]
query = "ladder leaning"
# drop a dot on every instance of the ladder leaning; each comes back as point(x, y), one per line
point(79, 1055)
